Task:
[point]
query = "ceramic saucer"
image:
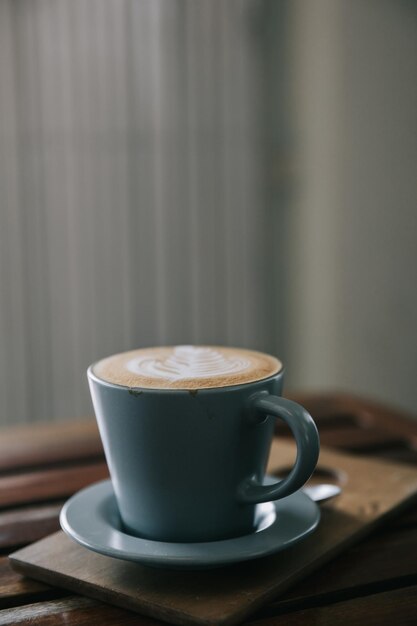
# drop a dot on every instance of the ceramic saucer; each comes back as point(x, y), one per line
point(91, 518)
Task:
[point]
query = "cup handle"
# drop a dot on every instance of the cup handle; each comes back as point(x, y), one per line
point(308, 446)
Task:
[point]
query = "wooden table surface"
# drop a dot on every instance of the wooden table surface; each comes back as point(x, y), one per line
point(372, 583)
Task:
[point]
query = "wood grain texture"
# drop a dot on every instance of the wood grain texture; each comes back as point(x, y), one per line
point(48, 484)
point(228, 595)
point(24, 524)
point(360, 425)
point(386, 559)
point(364, 440)
point(393, 607)
point(15, 589)
point(365, 412)
point(398, 606)
point(45, 444)
point(74, 610)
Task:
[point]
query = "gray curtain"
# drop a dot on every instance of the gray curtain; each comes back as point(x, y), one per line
point(132, 200)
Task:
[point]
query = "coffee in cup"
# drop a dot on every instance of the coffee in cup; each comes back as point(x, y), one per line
point(186, 367)
point(187, 430)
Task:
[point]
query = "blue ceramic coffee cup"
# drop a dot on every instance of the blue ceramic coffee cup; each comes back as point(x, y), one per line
point(188, 465)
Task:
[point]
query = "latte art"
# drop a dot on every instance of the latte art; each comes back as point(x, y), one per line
point(188, 362)
point(186, 367)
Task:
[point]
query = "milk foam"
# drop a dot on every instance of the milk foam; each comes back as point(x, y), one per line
point(186, 367)
point(188, 362)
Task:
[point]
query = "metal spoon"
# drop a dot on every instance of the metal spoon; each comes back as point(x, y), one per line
point(323, 492)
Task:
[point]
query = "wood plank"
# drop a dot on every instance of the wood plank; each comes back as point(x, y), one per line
point(407, 520)
point(15, 589)
point(28, 523)
point(364, 411)
point(398, 606)
point(382, 609)
point(360, 425)
point(73, 610)
point(48, 484)
point(399, 453)
point(228, 595)
point(44, 444)
point(363, 440)
point(385, 558)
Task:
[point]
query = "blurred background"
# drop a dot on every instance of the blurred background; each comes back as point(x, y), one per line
point(238, 173)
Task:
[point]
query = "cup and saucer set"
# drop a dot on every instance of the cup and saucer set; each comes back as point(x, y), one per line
point(186, 432)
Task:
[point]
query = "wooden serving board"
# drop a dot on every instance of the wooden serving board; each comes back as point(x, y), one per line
point(372, 491)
